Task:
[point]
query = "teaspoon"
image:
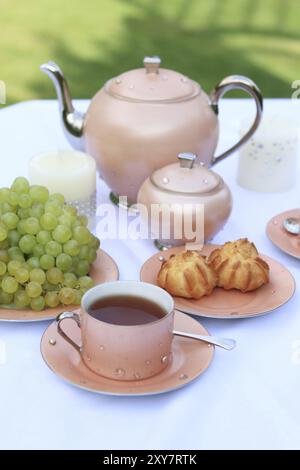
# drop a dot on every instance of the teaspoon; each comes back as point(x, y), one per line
point(224, 343)
point(291, 225)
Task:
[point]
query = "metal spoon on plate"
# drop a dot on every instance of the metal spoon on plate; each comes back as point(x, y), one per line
point(224, 343)
point(292, 225)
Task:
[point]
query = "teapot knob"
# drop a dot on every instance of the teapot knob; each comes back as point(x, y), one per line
point(152, 63)
point(187, 159)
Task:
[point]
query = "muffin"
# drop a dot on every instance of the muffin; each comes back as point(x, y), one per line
point(187, 275)
point(238, 266)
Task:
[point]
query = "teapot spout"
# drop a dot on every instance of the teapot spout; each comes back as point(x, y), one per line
point(72, 120)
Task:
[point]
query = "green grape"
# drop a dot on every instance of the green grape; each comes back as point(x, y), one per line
point(55, 276)
point(4, 244)
point(57, 197)
point(3, 233)
point(10, 220)
point(7, 207)
point(66, 295)
point(84, 252)
point(6, 298)
point(39, 193)
point(22, 275)
point(51, 299)
point(21, 227)
point(37, 303)
point(23, 213)
point(33, 262)
point(20, 185)
point(15, 253)
point(9, 284)
point(38, 251)
point(64, 262)
point(47, 287)
point(38, 275)
point(83, 291)
point(72, 248)
point(2, 268)
point(36, 210)
point(75, 260)
point(70, 280)
point(33, 289)
point(47, 262)
point(54, 208)
point(82, 235)
point(21, 299)
point(43, 237)
point(14, 266)
point(83, 220)
point(65, 219)
point(75, 222)
point(13, 237)
point(48, 221)
point(32, 226)
point(4, 194)
point(24, 200)
point(71, 210)
point(27, 243)
point(13, 198)
point(94, 242)
point(92, 255)
point(4, 255)
point(53, 248)
point(72, 269)
point(82, 268)
point(86, 282)
point(77, 297)
point(61, 233)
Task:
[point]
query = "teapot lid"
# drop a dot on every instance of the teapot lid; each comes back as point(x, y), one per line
point(152, 84)
point(190, 177)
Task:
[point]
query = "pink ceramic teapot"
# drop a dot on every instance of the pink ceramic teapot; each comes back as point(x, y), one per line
point(139, 120)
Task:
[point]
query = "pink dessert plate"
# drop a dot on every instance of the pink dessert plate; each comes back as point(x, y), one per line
point(229, 304)
point(103, 269)
point(190, 358)
point(287, 242)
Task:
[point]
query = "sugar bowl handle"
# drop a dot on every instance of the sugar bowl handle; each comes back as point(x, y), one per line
point(234, 82)
point(62, 316)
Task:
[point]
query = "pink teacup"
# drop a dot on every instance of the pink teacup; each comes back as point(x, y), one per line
point(123, 352)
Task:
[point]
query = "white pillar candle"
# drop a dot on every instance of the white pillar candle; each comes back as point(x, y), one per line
point(68, 172)
point(268, 161)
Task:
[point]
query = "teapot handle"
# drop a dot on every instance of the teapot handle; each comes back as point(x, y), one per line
point(242, 83)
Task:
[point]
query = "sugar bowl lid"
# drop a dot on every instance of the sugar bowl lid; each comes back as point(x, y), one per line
point(190, 177)
point(152, 84)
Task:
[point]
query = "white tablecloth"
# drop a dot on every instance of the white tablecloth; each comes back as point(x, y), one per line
point(248, 398)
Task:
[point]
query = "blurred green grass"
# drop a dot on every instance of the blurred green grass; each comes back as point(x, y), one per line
point(94, 40)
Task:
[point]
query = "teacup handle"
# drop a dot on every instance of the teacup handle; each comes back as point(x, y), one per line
point(234, 82)
point(74, 316)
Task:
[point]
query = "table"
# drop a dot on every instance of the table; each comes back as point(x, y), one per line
point(248, 398)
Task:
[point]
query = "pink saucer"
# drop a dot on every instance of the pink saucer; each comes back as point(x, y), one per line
point(287, 242)
point(190, 358)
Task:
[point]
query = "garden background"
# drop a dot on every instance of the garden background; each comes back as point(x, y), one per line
point(93, 40)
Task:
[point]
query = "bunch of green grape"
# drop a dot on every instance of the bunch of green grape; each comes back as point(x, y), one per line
point(46, 249)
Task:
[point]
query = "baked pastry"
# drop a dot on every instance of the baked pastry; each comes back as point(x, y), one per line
point(187, 275)
point(238, 266)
